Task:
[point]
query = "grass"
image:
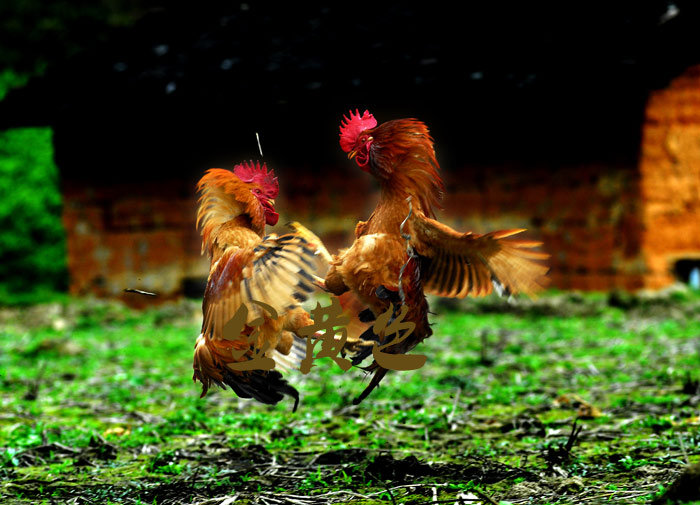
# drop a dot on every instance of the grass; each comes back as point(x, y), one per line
point(97, 402)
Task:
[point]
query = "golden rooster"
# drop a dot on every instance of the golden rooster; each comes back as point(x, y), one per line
point(251, 303)
point(402, 240)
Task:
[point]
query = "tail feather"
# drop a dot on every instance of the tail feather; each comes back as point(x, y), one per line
point(267, 387)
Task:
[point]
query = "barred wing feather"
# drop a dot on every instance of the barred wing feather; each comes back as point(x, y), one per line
point(279, 272)
point(455, 264)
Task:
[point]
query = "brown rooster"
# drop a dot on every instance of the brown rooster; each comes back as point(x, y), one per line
point(402, 240)
point(251, 302)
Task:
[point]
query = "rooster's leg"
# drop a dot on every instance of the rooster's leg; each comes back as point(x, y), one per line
point(376, 379)
point(367, 336)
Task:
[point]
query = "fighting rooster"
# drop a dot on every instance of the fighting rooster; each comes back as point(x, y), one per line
point(251, 302)
point(402, 240)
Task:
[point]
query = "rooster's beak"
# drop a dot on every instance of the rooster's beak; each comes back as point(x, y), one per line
point(352, 154)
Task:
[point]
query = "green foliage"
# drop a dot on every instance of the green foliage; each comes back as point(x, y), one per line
point(32, 238)
point(98, 400)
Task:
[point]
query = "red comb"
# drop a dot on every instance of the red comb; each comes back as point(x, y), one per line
point(249, 172)
point(350, 128)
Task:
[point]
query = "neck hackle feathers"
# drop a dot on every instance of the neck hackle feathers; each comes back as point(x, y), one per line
point(402, 156)
point(225, 195)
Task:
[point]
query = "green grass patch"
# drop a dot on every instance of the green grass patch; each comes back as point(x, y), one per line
point(98, 402)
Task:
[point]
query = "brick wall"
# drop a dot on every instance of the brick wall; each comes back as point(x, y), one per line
point(670, 177)
point(584, 214)
point(130, 236)
point(144, 236)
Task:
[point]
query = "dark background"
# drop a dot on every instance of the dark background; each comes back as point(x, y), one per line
point(151, 88)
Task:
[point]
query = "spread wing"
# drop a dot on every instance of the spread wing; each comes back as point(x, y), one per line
point(459, 264)
point(353, 308)
point(279, 271)
point(313, 239)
